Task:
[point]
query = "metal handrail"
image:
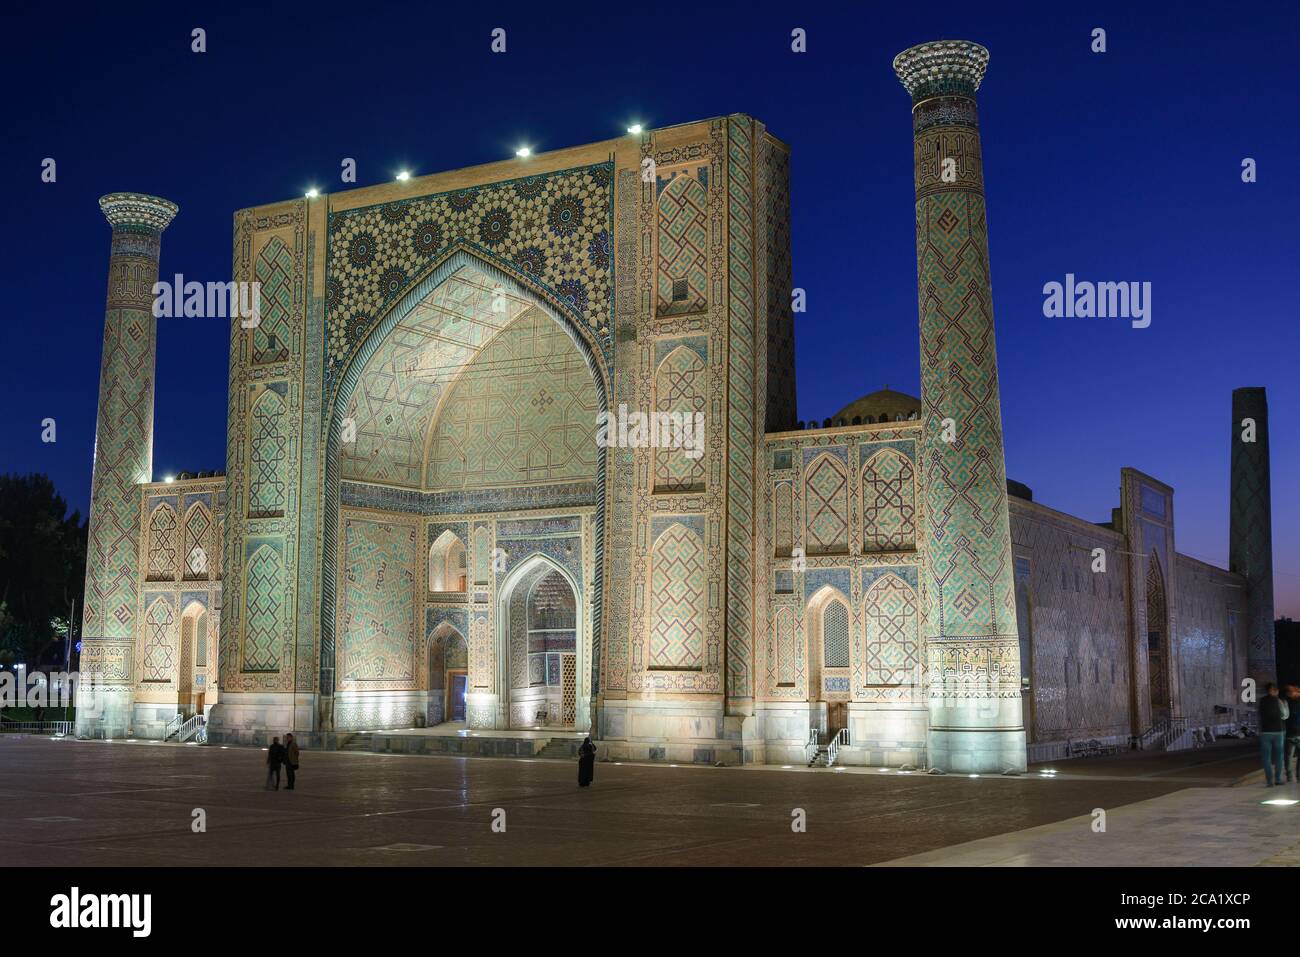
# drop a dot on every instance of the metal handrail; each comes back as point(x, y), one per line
point(833, 749)
point(173, 726)
point(190, 728)
point(814, 742)
point(1158, 729)
point(37, 727)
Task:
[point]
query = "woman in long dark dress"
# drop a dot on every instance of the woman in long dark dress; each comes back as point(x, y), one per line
point(586, 762)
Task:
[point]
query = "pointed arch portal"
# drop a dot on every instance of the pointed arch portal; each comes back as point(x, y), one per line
point(539, 649)
point(395, 424)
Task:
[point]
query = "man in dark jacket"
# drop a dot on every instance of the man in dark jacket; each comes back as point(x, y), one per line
point(290, 759)
point(1292, 758)
point(274, 758)
point(1273, 712)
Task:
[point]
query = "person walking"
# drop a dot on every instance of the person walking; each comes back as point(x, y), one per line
point(274, 758)
point(290, 759)
point(1291, 759)
point(586, 763)
point(1273, 713)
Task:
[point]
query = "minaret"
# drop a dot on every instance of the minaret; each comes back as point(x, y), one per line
point(1250, 527)
point(972, 648)
point(123, 460)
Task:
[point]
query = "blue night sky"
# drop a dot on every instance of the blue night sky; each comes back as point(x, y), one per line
point(1119, 166)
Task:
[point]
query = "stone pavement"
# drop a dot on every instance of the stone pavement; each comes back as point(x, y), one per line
point(67, 802)
point(1199, 827)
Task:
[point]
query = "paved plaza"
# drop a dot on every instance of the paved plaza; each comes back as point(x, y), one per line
point(66, 802)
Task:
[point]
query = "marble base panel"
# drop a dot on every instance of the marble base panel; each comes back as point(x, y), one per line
point(675, 732)
point(149, 720)
point(976, 751)
point(103, 712)
point(379, 710)
point(255, 718)
point(886, 735)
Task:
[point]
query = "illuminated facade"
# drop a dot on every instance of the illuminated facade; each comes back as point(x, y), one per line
point(418, 528)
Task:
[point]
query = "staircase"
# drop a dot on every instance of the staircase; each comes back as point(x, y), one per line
point(354, 742)
point(195, 727)
point(562, 749)
point(1166, 734)
point(824, 755)
point(173, 726)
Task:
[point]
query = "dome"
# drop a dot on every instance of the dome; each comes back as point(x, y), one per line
point(886, 405)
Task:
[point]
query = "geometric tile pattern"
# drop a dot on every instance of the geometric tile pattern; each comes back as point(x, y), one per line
point(267, 465)
point(198, 547)
point(783, 520)
point(613, 654)
point(274, 271)
point(843, 574)
point(272, 455)
point(784, 656)
point(123, 435)
point(681, 389)
point(162, 544)
point(893, 653)
point(677, 599)
point(888, 502)
point(553, 229)
point(264, 610)
point(159, 652)
point(482, 554)
point(522, 412)
point(643, 341)
point(742, 425)
point(827, 486)
point(965, 480)
point(683, 245)
point(377, 637)
point(971, 644)
point(405, 382)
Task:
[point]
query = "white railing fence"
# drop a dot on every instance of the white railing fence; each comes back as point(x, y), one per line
point(814, 742)
point(191, 728)
point(56, 728)
point(841, 739)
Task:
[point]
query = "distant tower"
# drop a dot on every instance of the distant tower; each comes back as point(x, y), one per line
point(1250, 528)
point(123, 459)
point(972, 648)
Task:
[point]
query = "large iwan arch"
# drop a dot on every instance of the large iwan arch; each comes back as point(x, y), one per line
point(467, 416)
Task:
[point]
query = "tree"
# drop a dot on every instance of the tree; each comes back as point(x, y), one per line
point(42, 564)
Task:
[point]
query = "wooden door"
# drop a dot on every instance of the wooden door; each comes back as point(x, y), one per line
point(837, 715)
point(457, 685)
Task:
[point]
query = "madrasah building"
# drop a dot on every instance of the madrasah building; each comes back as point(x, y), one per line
point(417, 529)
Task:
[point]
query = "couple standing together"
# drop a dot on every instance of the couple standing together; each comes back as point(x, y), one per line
point(281, 754)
